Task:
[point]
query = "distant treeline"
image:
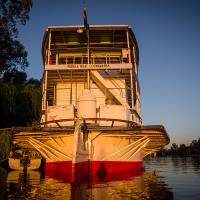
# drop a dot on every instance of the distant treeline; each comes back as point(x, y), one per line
point(182, 150)
point(20, 99)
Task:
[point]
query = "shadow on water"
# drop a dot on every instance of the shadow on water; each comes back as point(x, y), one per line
point(3, 190)
point(125, 185)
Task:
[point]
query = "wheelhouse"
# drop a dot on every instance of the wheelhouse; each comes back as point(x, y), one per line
point(102, 59)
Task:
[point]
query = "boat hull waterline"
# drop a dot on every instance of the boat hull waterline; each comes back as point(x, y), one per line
point(100, 171)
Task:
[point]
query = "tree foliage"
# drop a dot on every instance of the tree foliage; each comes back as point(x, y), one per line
point(12, 53)
point(5, 142)
point(182, 150)
point(20, 99)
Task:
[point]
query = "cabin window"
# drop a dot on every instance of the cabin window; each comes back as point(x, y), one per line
point(62, 61)
point(99, 60)
point(85, 60)
point(78, 60)
point(115, 59)
point(70, 60)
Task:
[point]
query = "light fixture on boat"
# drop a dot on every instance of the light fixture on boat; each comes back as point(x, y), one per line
point(80, 30)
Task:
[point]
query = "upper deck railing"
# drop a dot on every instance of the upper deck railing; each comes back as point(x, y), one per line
point(108, 58)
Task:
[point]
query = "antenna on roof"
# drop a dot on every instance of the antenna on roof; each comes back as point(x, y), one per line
point(86, 25)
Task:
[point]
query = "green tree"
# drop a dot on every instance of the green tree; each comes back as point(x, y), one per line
point(195, 147)
point(12, 53)
point(182, 150)
point(174, 149)
point(20, 99)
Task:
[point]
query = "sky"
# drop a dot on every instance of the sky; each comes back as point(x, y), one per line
point(168, 35)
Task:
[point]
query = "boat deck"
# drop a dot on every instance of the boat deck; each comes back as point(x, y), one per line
point(155, 134)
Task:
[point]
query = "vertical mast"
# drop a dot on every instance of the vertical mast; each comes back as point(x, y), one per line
point(86, 25)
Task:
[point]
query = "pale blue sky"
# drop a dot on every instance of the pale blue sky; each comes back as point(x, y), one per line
point(168, 34)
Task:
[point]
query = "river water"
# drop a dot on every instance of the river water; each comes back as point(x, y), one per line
point(163, 179)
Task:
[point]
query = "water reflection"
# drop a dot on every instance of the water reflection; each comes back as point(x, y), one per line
point(145, 186)
point(22, 184)
point(196, 164)
point(186, 163)
point(32, 185)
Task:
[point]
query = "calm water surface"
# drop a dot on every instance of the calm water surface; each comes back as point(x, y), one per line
point(163, 179)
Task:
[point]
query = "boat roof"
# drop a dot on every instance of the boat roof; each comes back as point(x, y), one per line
point(94, 27)
point(118, 27)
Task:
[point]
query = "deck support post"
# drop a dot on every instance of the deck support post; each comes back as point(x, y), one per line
point(131, 72)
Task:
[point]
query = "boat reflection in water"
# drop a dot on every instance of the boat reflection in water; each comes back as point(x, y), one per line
point(129, 185)
point(22, 183)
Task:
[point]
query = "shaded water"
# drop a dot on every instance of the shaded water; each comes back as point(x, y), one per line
point(164, 178)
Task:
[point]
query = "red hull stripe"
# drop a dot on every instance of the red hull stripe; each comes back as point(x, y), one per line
point(101, 171)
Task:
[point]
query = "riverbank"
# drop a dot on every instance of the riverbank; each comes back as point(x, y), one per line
point(5, 144)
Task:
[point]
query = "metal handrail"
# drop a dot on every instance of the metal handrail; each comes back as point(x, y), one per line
point(130, 123)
